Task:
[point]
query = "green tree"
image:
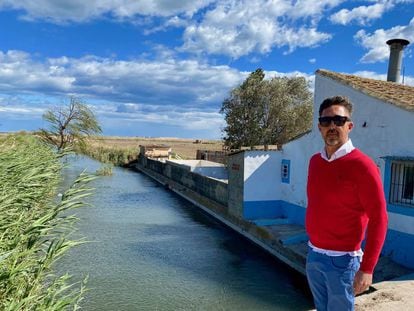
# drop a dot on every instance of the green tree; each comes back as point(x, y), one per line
point(69, 125)
point(242, 113)
point(267, 112)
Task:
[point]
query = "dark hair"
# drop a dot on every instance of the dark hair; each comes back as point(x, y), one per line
point(336, 100)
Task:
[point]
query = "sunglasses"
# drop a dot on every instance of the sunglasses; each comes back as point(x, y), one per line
point(337, 120)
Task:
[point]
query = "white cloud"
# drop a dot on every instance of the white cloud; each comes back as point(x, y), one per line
point(173, 22)
point(190, 119)
point(183, 94)
point(381, 76)
point(81, 11)
point(19, 72)
point(184, 82)
point(15, 108)
point(237, 28)
point(313, 10)
point(375, 42)
point(362, 15)
point(230, 27)
point(168, 81)
point(371, 75)
point(234, 28)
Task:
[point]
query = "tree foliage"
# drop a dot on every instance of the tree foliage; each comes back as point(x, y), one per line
point(266, 112)
point(69, 124)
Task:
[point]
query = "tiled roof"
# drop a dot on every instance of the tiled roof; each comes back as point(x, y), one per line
point(391, 92)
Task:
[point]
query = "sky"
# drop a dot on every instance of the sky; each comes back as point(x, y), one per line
point(163, 68)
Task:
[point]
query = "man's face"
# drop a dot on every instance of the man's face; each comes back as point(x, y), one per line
point(334, 135)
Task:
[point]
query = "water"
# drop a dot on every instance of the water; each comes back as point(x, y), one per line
point(152, 250)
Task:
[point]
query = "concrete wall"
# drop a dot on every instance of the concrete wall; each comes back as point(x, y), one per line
point(205, 168)
point(262, 176)
point(235, 164)
point(214, 156)
point(208, 187)
point(259, 193)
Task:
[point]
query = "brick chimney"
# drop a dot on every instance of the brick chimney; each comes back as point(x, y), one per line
point(396, 52)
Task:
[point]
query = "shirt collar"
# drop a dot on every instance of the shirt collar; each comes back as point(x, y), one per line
point(342, 151)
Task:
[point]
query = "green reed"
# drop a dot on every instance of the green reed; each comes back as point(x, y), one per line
point(105, 170)
point(115, 156)
point(33, 229)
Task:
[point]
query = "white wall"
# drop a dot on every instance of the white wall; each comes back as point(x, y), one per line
point(299, 152)
point(389, 131)
point(262, 175)
point(197, 163)
point(205, 168)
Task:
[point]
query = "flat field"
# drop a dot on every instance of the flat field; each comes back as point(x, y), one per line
point(185, 148)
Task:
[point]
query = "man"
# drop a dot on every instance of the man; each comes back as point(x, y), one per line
point(346, 204)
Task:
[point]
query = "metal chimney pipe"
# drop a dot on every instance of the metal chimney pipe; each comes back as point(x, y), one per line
point(396, 52)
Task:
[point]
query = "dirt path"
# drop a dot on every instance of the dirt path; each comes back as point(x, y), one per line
point(395, 295)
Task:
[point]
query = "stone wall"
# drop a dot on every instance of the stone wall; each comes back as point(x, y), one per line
point(211, 188)
point(236, 184)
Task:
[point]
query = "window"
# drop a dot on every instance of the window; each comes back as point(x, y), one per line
point(285, 171)
point(402, 183)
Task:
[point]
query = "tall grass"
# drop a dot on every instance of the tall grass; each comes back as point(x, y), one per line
point(33, 231)
point(115, 156)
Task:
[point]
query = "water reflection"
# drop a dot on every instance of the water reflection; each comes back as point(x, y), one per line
point(152, 250)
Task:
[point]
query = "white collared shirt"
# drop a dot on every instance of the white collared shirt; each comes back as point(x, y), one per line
point(342, 151)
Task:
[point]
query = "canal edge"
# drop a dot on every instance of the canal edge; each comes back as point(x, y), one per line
point(296, 260)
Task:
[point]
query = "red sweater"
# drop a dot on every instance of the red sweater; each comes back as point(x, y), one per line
point(345, 202)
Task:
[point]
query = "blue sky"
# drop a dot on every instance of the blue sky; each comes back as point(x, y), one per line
point(163, 68)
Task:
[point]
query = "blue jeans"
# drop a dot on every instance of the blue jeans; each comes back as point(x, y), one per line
point(331, 280)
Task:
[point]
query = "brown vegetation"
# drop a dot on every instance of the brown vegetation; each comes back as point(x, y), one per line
point(185, 148)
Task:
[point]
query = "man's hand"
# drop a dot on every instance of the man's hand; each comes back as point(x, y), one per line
point(362, 282)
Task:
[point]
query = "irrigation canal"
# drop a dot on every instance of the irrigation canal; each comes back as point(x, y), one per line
point(152, 250)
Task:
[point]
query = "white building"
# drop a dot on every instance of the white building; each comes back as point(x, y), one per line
point(272, 184)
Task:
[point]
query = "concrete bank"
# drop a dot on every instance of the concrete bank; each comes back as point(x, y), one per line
point(285, 242)
point(270, 238)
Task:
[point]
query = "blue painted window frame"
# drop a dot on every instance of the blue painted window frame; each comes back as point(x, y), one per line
point(395, 207)
point(285, 176)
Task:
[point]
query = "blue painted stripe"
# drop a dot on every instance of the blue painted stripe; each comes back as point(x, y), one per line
point(271, 222)
point(295, 213)
point(401, 209)
point(398, 158)
point(253, 210)
point(262, 210)
point(398, 246)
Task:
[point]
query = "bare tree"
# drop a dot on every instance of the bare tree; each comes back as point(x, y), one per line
point(69, 124)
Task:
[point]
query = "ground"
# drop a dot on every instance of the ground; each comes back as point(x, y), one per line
point(185, 148)
point(395, 295)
